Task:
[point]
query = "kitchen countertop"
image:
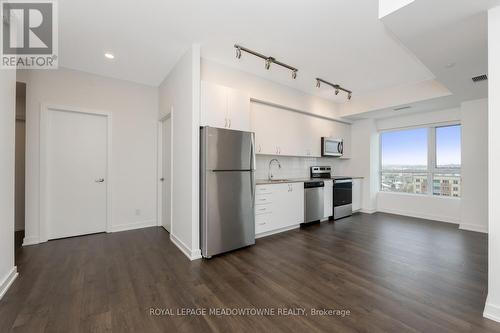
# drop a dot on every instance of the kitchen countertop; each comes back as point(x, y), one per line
point(298, 180)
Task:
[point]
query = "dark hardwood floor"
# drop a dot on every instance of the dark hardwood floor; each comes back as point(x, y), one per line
point(394, 274)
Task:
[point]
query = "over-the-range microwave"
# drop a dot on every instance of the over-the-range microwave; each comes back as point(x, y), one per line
point(332, 147)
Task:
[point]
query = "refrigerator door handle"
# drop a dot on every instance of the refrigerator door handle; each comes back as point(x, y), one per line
point(252, 152)
point(252, 188)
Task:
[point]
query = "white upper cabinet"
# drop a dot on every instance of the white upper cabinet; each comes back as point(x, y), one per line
point(213, 105)
point(238, 110)
point(289, 133)
point(224, 107)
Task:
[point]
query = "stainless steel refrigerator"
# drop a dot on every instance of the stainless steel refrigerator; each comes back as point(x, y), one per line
point(227, 190)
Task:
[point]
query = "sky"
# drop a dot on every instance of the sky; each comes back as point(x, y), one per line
point(409, 147)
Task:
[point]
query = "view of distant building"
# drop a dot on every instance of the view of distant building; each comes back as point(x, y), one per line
point(417, 183)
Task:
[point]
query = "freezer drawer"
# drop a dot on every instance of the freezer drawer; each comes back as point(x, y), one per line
point(228, 215)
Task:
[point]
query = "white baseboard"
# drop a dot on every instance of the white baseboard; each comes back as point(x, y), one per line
point(134, 225)
point(277, 231)
point(367, 211)
point(31, 241)
point(191, 254)
point(474, 227)
point(7, 281)
point(491, 311)
point(439, 218)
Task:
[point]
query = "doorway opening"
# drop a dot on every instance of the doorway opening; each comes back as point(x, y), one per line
point(20, 165)
point(165, 172)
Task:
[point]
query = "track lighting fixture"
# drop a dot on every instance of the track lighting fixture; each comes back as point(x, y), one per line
point(268, 60)
point(337, 87)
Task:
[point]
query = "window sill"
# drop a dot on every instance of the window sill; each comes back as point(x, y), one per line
point(437, 197)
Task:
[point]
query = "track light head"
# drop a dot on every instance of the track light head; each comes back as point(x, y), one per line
point(349, 95)
point(337, 91)
point(238, 53)
point(268, 63)
point(318, 83)
point(294, 74)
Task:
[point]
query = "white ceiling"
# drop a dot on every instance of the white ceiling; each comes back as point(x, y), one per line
point(342, 41)
point(458, 37)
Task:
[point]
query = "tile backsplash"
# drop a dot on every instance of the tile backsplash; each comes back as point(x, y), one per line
point(295, 167)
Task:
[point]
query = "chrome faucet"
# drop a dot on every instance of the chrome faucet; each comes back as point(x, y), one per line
point(270, 174)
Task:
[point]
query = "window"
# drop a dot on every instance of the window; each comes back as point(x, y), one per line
point(422, 161)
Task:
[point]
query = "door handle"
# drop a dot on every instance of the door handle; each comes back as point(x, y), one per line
point(100, 180)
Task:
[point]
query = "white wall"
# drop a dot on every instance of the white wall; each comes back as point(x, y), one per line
point(265, 90)
point(20, 174)
point(421, 206)
point(474, 205)
point(492, 309)
point(470, 210)
point(180, 93)
point(298, 167)
point(134, 110)
point(8, 271)
point(364, 161)
point(419, 119)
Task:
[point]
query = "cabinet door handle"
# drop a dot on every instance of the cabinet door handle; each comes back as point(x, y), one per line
point(260, 148)
point(225, 122)
point(229, 122)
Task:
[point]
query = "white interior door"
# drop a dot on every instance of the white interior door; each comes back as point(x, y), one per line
point(166, 181)
point(76, 165)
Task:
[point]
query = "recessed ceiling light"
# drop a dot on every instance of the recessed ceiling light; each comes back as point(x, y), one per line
point(109, 55)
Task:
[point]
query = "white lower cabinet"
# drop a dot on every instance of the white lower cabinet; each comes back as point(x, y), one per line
point(357, 194)
point(328, 199)
point(278, 207)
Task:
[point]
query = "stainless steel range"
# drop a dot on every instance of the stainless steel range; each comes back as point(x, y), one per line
point(342, 191)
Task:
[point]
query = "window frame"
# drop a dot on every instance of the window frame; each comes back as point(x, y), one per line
point(432, 168)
